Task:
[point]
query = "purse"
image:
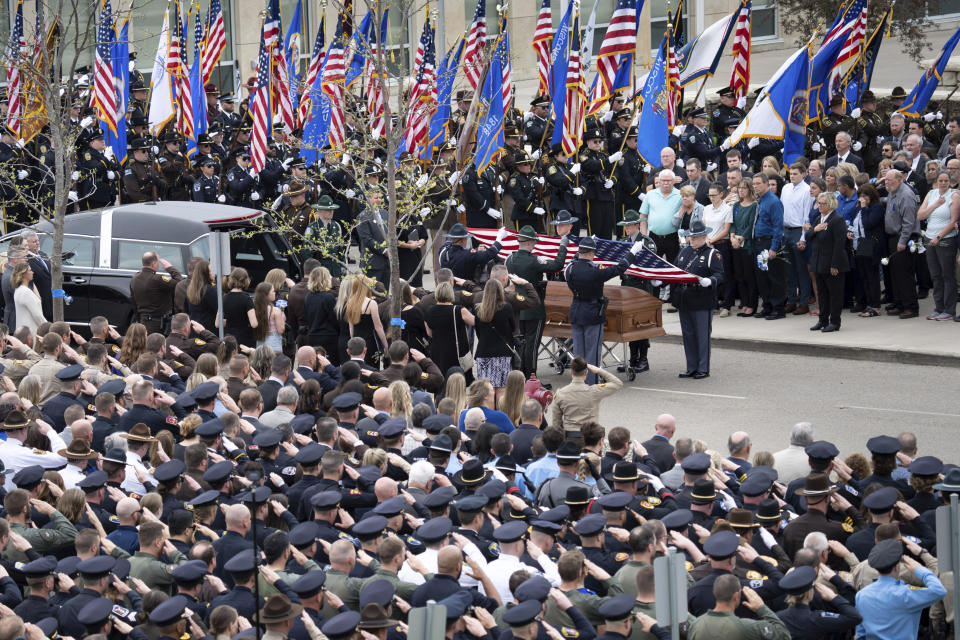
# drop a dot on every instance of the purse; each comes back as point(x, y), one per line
point(466, 361)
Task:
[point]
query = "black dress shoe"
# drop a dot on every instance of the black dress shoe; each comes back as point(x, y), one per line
point(922, 294)
point(817, 327)
point(687, 374)
point(776, 315)
point(700, 375)
point(641, 366)
point(830, 328)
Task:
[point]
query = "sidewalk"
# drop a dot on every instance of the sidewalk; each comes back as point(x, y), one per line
point(887, 338)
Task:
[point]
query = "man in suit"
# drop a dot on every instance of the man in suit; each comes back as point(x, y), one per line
point(659, 447)
point(308, 359)
point(372, 232)
point(697, 180)
point(829, 261)
point(40, 264)
point(845, 153)
point(279, 377)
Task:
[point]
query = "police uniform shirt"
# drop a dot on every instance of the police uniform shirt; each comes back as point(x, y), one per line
point(705, 263)
point(805, 623)
point(699, 144)
point(585, 280)
point(562, 182)
point(151, 292)
point(96, 184)
point(206, 189)
point(521, 189)
point(33, 609)
point(139, 179)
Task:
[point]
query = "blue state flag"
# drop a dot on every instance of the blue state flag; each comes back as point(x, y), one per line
point(490, 126)
point(292, 49)
point(316, 132)
point(359, 48)
point(652, 135)
point(120, 58)
point(916, 101)
point(445, 79)
point(560, 59)
point(198, 97)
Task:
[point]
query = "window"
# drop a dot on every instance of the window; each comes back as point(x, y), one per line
point(84, 250)
point(397, 46)
point(602, 19)
point(764, 20)
point(658, 21)
point(943, 8)
point(200, 248)
point(130, 254)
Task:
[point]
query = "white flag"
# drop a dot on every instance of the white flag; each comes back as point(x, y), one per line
point(161, 92)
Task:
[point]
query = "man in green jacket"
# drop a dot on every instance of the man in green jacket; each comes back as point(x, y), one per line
point(722, 622)
point(145, 563)
point(44, 541)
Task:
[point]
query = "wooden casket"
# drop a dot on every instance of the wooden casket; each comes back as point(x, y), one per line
point(633, 314)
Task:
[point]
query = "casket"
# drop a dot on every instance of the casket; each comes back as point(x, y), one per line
point(633, 314)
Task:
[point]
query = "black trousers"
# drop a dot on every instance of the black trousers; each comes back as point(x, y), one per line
point(830, 292)
point(638, 350)
point(600, 219)
point(532, 332)
point(901, 268)
point(744, 269)
point(869, 287)
point(668, 245)
point(772, 283)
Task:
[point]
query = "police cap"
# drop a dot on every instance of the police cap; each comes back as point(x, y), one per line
point(205, 391)
point(325, 500)
point(258, 495)
point(93, 481)
point(471, 504)
point(435, 423)
point(558, 514)
point(617, 608)
point(821, 450)
point(169, 471)
point(391, 508)
point(523, 613)
point(268, 438)
point(39, 567)
point(309, 584)
point(442, 443)
point(310, 455)
point(533, 588)
point(926, 466)
point(721, 545)
point(28, 477)
point(883, 445)
point(68, 565)
point(434, 529)
point(616, 501)
point(885, 555)
point(544, 526)
point(115, 387)
point(370, 528)
point(439, 497)
point(677, 520)
point(799, 580)
point(347, 401)
point(393, 427)
point(380, 591)
point(70, 373)
point(169, 611)
point(210, 428)
point(207, 497)
point(457, 603)
point(217, 473)
point(587, 244)
point(240, 563)
point(96, 566)
point(881, 500)
point(696, 464)
point(342, 625)
point(303, 423)
point(591, 525)
point(493, 489)
point(95, 613)
point(510, 531)
point(755, 485)
point(304, 534)
point(190, 571)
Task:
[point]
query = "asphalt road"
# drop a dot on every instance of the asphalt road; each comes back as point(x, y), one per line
point(765, 394)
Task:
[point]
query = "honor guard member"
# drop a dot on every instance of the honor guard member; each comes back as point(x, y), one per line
point(728, 110)
point(598, 177)
point(40, 577)
point(228, 118)
point(464, 262)
point(698, 142)
point(239, 140)
point(531, 268)
point(241, 186)
point(617, 130)
point(204, 150)
point(151, 292)
point(459, 116)
point(589, 307)
point(141, 179)
point(631, 178)
point(206, 188)
point(802, 621)
point(871, 128)
point(175, 167)
point(99, 172)
point(297, 213)
point(566, 194)
point(631, 233)
point(696, 301)
point(217, 150)
point(537, 130)
point(326, 241)
point(479, 191)
point(523, 189)
point(934, 128)
point(512, 150)
point(138, 93)
point(834, 122)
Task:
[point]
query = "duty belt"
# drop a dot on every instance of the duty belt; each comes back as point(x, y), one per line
point(582, 299)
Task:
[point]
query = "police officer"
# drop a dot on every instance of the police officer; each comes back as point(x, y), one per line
point(871, 128)
point(459, 117)
point(834, 122)
point(631, 233)
point(631, 178)
point(537, 130)
point(617, 130)
point(151, 293)
point(697, 301)
point(42, 582)
point(297, 213)
point(228, 119)
point(175, 168)
point(728, 110)
point(70, 385)
point(326, 239)
point(804, 622)
point(588, 310)
point(464, 262)
point(566, 194)
point(599, 178)
point(241, 186)
point(99, 172)
point(527, 209)
point(531, 268)
point(698, 142)
point(206, 188)
point(141, 179)
point(480, 199)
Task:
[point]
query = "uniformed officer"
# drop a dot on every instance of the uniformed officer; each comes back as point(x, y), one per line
point(175, 168)
point(141, 179)
point(804, 622)
point(728, 110)
point(326, 238)
point(722, 621)
point(95, 572)
point(871, 128)
point(151, 293)
point(696, 301)
point(631, 177)
point(40, 578)
point(617, 130)
point(522, 187)
point(464, 262)
point(99, 172)
point(531, 268)
point(480, 197)
point(297, 213)
point(228, 119)
point(241, 186)
point(599, 177)
point(834, 122)
point(70, 386)
point(631, 233)
point(622, 622)
point(566, 194)
point(698, 142)
point(588, 310)
point(537, 130)
point(206, 188)
point(459, 117)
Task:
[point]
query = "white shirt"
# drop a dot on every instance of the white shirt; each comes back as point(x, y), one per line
point(72, 474)
point(130, 482)
point(717, 218)
point(797, 203)
point(503, 567)
point(791, 463)
point(16, 457)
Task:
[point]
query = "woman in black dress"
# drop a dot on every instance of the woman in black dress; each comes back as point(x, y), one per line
point(360, 317)
point(201, 302)
point(446, 325)
point(410, 243)
point(238, 313)
point(414, 331)
point(320, 309)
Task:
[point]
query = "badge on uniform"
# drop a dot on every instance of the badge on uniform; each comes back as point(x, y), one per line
point(494, 549)
point(756, 575)
point(170, 420)
point(166, 278)
point(198, 342)
point(654, 500)
point(87, 156)
point(622, 556)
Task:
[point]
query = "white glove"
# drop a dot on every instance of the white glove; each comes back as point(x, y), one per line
point(711, 166)
point(636, 248)
point(615, 157)
point(221, 198)
point(656, 283)
point(254, 196)
point(111, 175)
point(285, 188)
point(86, 122)
point(452, 202)
point(155, 149)
point(743, 166)
point(678, 130)
point(527, 116)
point(816, 147)
point(767, 537)
point(75, 176)
point(350, 193)
point(540, 180)
point(753, 143)
point(453, 140)
point(654, 481)
point(461, 208)
point(706, 282)
point(939, 115)
point(345, 160)
point(857, 145)
point(21, 143)
point(879, 139)
point(929, 117)
point(855, 113)
point(608, 184)
point(424, 212)
point(607, 117)
point(422, 180)
point(72, 196)
point(252, 172)
point(535, 155)
point(647, 168)
point(741, 102)
point(725, 145)
point(539, 211)
point(22, 175)
point(577, 191)
point(108, 153)
point(493, 213)
point(378, 160)
point(453, 177)
point(680, 162)
point(499, 190)
point(286, 164)
point(575, 169)
point(502, 233)
point(132, 66)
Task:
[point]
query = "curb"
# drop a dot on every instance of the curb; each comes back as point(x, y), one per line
point(921, 358)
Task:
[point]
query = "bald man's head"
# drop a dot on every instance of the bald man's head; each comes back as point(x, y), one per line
point(237, 517)
point(342, 555)
point(381, 399)
point(82, 430)
point(125, 510)
point(306, 356)
point(385, 488)
point(666, 425)
point(450, 561)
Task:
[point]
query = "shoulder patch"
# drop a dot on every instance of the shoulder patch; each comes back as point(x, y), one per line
point(621, 557)
point(915, 587)
point(170, 420)
point(828, 614)
point(755, 575)
point(756, 584)
point(166, 278)
point(646, 504)
point(355, 492)
point(567, 632)
point(513, 182)
point(91, 407)
point(87, 156)
point(494, 549)
point(551, 170)
point(520, 298)
point(846, 526)
point(46, 534)
point(199, 342)
point(467, 293)
point(654, 500)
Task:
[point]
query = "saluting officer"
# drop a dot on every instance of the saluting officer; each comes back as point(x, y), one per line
point(537, 130)
point(98, 169)
point(329, 245)
point(588, 310)
point(631, 233)
point(531, 268)
point(696, 302)
point(697, 141)
point(834, 122)
point(175, 168)
point(802, 621)
point(522, 188)
point(206, 188)
point(297, 213)
point(728, 110)
point(631, 178)
point(151, 293)
point(241, 184)
point(598, 176)
point(141, 179)
point(463, 262)
point(566, 194)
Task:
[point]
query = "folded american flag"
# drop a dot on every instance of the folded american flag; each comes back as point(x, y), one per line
point(646, 265)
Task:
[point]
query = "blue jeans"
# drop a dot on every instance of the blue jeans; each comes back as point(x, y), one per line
point(798, 278)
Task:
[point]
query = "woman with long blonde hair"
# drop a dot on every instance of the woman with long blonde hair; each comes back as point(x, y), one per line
point(513, 396)
point(402, 401)
point(456, 390)
point(360, 318)
point(495, 326)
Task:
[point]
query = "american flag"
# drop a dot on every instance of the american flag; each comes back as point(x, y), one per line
point(214, 43)
point(646, 264)
point(673, 82)
point(15, 57)
point(476, 41)
point(506, 70)
point(740, 75)
point(857, 12)
point(542, 37)
point(573, 116)
point(279, 84)
point(334, 75)
point(423, 97)
point(104, 87)
point(374, 88)
point(317, 56)
point(621, 38)
point(177, 70)
point(260, 106)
